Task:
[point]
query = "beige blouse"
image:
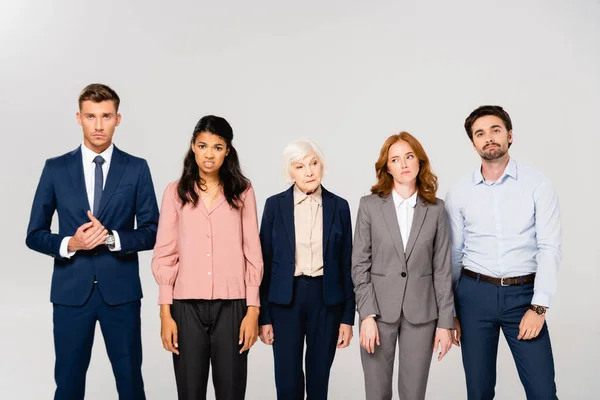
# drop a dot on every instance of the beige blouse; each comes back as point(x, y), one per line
point(308, 223)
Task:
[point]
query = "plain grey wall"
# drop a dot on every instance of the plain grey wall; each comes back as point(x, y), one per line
point(345, 74)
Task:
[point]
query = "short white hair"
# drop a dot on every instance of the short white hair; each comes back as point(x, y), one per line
point(297, 151)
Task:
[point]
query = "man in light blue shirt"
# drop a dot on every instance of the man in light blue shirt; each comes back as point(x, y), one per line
point(506, 248)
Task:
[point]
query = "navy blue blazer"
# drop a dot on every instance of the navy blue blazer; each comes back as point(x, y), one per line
point(278, 241)
point(128, 196)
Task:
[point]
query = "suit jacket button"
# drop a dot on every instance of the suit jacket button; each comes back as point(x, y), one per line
point(403, 274)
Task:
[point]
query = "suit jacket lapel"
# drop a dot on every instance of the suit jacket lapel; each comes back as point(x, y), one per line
point(391, 220)
point(286, 204)
point(75, 167)
point(417, 223)
point(328, 213)
point(118, 163)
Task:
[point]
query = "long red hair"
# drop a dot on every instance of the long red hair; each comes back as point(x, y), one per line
point(427, 181)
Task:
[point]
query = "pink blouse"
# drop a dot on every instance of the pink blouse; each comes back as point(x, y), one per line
point(207, 255)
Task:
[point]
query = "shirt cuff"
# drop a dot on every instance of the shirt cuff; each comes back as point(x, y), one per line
point(252, 296)
point(541, 299)
point(117, 242)
point(64, 248)
point(369, 316)
point(165, 294)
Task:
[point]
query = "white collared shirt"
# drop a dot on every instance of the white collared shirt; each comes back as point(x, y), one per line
point(89, 171)
point(405, 210)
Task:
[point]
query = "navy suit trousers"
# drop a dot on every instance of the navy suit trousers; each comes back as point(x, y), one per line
point(484, 309)
point(74, 328)
point(306, 318)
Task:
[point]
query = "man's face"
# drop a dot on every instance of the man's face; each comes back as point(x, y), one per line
point(490, 137)
point(98, 121)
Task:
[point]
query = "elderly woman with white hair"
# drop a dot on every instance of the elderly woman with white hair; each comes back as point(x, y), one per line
point(306, 292)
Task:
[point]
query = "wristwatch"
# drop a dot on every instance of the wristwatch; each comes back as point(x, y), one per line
point(110, 240)
point(539, 310)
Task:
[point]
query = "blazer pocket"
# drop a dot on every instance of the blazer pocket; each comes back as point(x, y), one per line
point(427, 274)
point(377, 274)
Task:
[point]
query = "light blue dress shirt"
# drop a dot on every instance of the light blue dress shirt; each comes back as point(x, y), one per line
point(507, 228)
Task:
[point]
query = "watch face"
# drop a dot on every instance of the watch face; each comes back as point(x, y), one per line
point(539, 310)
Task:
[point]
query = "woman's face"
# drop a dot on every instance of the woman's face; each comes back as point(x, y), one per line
point(402, 163)
point(210, 151)
point(307, 173)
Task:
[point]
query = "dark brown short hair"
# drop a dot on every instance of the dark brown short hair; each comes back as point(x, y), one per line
point(427, 182)
point(97, 93)
point(482, 111)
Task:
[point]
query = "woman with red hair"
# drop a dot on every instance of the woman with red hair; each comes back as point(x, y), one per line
point(402, 272)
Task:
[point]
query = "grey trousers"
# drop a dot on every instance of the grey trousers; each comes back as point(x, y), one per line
point(415, 351)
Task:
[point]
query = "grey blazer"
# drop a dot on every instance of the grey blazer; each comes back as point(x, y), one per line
point(388, 282)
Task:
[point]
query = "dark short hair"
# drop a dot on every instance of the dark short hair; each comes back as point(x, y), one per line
point(483, 111)
point(97, 93)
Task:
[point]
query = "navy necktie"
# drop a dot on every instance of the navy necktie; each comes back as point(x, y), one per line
point(98, 183)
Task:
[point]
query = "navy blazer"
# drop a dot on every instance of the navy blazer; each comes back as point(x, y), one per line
point(278, 241)
point(128, 196)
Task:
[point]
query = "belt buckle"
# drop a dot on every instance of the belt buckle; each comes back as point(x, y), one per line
point(502, 282)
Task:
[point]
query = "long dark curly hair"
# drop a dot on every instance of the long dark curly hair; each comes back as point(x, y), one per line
point(231, 178)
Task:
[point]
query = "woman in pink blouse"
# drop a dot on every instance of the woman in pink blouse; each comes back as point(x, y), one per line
point(208, 264)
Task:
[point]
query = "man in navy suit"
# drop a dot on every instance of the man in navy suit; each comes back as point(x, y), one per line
point(99, 192)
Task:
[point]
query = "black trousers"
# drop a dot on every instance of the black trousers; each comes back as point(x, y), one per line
point(208, 334)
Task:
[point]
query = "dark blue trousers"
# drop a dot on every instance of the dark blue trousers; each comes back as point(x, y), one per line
point(73, 339)
point(483, 309)
point(306, 318)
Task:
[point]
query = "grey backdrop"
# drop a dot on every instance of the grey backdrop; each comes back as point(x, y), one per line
point(345, 74)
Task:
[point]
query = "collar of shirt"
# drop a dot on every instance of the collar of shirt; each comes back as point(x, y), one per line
point(510, 170)
point(300, 196)
point(88, 155)
point(398, 201)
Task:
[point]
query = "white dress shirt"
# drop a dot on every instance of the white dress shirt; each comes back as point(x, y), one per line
point(89, 168)
point(405, 210)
